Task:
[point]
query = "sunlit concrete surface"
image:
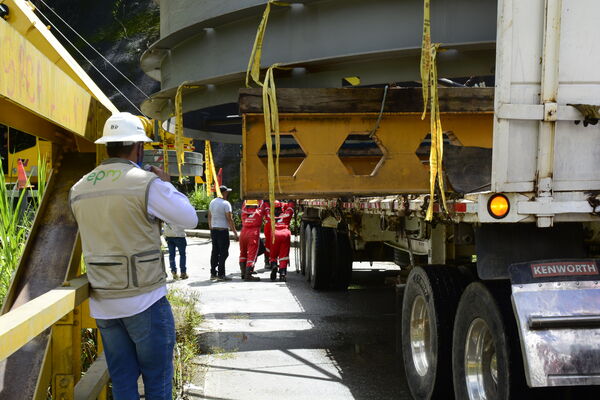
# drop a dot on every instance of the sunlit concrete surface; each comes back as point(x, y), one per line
point(274, 340)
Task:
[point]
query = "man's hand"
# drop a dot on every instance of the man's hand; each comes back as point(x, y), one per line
point(236, 237)
point(161, 174)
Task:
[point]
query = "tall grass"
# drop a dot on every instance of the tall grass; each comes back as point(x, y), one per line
point(187, 319)
point(16, 217)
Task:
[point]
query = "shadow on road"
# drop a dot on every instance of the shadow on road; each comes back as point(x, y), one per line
point(354, 329)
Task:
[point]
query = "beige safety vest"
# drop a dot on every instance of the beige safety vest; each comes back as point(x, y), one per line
point(121, 242)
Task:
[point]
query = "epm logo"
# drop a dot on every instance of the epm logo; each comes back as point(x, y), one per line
point(101, 175)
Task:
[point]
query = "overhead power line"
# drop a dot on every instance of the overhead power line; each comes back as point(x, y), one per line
point(93, 48)
point(88, 60)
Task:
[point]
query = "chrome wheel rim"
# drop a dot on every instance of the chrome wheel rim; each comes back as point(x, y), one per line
point(481, 368)
point(420, 336)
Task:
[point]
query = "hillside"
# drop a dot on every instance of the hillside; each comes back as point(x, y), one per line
point(121, 30)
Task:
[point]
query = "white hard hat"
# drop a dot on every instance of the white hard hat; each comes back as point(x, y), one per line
point(123, 127)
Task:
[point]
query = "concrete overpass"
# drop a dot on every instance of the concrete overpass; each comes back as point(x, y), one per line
point(208, 43)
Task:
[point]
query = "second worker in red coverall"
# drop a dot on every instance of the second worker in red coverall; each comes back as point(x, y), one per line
point(280, 249)
point(251, 222)
point(267, 231)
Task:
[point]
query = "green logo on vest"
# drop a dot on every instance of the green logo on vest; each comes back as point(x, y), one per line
point(100, 175)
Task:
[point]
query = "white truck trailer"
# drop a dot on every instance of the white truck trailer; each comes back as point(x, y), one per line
point(503, 291)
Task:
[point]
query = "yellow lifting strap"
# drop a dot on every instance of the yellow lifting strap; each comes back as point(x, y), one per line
point(179, 126)
point(211, 174)
point(165, 149)
point(426, 55)
point(256, 54)
point(271, 117)
point(270, 110)
point(207, 162)
point(430, 95)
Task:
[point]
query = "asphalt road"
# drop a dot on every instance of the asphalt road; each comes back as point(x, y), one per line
point(275, 340)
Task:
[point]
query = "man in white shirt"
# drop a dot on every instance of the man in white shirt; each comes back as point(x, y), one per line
point(220, 220)
point(175, 238)
point(118, 207)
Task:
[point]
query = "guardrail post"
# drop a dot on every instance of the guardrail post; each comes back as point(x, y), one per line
point(104, 393)
point(88, 322)
point(66, 355)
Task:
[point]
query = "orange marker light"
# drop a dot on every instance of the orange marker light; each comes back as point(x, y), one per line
point(498, 206)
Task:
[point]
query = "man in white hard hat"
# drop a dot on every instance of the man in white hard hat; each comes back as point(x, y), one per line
point(118, 207)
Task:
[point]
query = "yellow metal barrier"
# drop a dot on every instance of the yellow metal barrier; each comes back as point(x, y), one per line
point(320, 137)
point(65, 309)
point(45, 93)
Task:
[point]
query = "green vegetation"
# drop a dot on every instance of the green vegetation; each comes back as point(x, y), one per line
point(16, 218)
point(129, 24)
point(187, 318)
point(199, 199)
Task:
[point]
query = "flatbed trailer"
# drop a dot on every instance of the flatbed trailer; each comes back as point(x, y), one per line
point(501, 289)
point(527, 293)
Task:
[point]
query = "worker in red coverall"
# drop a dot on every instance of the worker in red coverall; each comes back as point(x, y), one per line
point(251, 222)
point(280, 250)
point(267, 231)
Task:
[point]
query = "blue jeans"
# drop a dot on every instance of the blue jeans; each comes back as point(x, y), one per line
point(141, 344)
point(180, 243)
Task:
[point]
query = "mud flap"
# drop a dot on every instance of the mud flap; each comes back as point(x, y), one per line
point(557, 306)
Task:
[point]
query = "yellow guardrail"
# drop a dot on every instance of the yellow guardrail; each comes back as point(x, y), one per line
point(66, 311)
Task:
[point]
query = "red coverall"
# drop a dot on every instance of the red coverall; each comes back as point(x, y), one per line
point(280, 250)
point(250, 235)
point(267, 231)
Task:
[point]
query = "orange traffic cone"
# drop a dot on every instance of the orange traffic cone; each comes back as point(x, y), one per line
point(21, 176)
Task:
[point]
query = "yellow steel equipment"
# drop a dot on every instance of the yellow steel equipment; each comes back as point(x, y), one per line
point(45, 93)
point(320, 165)
point(28, 149)
point(344, 142)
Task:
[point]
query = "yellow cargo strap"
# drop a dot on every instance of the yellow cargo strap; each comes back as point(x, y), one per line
point(207, 162)
point(256, 54)
point(165, 149)
point(271, 116)
point(179, 126)
point(430, 95)
point(426, 55)
point(211, 174)
point(270, 110)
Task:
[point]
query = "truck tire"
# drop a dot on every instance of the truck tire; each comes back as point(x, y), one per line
point(323, 240)
point(485, 337)
point(307, 250)
point(342, 266)
point(429, 305)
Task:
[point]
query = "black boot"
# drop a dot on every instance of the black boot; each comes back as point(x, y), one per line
point(283, 274)
point(242, 269)
point(273, 273)
point(267, 264)
point(248, 276)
